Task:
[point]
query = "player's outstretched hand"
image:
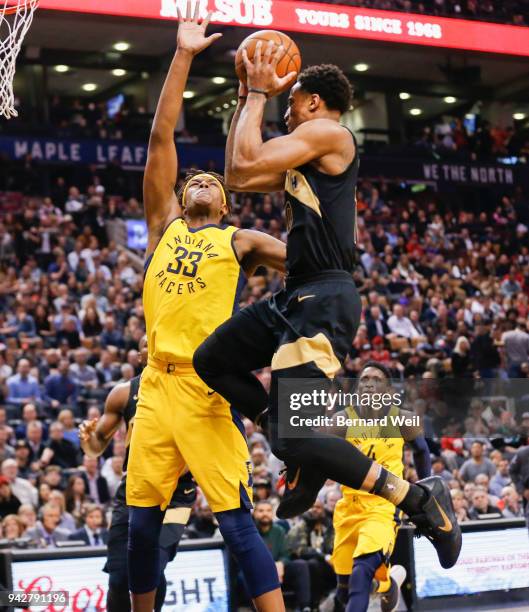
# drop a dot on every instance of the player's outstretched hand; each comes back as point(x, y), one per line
point(261, 70)
point(86, 429)
point(191, 35)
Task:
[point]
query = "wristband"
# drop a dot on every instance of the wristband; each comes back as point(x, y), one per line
point(258, 91)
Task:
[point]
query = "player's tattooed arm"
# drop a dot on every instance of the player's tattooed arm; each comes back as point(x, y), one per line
point(254, 249)
point(95, 435)
point(161, 170)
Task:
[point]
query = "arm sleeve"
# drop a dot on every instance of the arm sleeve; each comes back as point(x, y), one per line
point(421, 457)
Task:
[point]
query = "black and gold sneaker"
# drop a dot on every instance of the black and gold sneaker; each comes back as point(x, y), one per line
point(302, 485)
point(437, 521)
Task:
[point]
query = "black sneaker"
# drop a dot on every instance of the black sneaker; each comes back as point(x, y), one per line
point(390, 599)
point(437, 521)
point(302, 485)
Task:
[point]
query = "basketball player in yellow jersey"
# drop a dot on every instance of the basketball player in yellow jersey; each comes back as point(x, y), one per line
point(194, 270)
point(366, 525)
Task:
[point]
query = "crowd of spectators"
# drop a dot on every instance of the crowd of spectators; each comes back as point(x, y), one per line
point(444, 291)
point(449, 137)
point(502, 11)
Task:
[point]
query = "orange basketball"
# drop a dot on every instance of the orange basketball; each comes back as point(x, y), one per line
point(290, 60)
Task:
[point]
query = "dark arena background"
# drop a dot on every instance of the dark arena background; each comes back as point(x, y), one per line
point(441, 117)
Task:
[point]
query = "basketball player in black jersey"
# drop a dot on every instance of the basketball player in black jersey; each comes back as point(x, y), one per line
point(95, 436)
point(305, 330)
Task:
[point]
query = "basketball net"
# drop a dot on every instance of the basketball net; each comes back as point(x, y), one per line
point(15, 18)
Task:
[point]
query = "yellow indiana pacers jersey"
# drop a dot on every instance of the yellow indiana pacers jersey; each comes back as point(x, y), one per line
point(384, 444)
point(192, 285)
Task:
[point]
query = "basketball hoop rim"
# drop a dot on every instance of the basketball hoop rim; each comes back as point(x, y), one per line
point(5, 9)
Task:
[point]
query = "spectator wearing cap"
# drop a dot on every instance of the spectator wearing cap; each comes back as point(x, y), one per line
point(61, 389)
point(22, 387)
point(9, 503)
point(59, 451)
point(501, 478)
point(93, 532)
point(262, 487)
point(21, 488)
point(47, 531)
point(515, 344)
point(476, 464)
point(293, 574)
point(312, 539)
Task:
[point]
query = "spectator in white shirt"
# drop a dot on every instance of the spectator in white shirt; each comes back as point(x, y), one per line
point(400, 324)
point(22, 488)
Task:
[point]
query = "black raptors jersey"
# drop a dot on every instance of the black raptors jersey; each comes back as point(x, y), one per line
point(320, 212)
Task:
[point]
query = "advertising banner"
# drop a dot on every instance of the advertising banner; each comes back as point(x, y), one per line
point(196, 582)
point(326, 19)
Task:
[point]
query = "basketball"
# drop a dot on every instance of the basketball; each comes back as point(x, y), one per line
point(290, 60)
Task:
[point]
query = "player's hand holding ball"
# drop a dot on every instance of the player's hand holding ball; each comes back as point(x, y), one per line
point(191, 36)
point(268, 61)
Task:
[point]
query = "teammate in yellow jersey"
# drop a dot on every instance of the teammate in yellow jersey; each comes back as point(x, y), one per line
point(366, 525)
point(195, 267)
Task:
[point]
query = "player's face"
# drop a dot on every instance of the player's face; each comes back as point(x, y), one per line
point(298, 108)
point(204, 197)
point(372, 380)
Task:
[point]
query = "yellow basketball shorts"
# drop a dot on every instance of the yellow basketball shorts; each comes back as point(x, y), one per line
point(179, 421)
point(361, 529)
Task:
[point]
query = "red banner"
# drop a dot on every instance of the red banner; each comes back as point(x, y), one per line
point(328, 19)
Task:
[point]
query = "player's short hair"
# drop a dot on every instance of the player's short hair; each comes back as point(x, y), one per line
point(330, 83)
point(379, 366)
point(191, 175)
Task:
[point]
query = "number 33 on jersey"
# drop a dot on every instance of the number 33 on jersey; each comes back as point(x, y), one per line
point(192, 284)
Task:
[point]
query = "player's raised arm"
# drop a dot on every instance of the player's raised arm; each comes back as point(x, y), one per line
point(256, 249)
point(161, 170)
point(95, 435)
point(234, 179)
